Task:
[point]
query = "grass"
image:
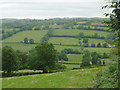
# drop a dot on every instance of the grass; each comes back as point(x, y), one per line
point(73, 41)
point(98, 50)
point(27, 47)
point(76, 58)
point(69, 79)
point(21, 47)
point(75, 32)
point(35, 35)
point(71, 66)
point(64, 41)
point(96, 41)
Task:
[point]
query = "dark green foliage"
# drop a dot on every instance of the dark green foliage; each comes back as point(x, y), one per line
point(46, 56)
point(85, 40)
point(105, 55)
point(62, 56)
point(23, 60)
point(94, 58)
point(107, 78)
point(31, 41)
point(60, 66)
point(86, 44)
point(81, 35)
point(26, 40)
point(47, 36)
point(99, 45)
point(105, 45)
point(86, 59)
point(70, 51)
point(109, 38)
point(9, 60)
point(92, 45)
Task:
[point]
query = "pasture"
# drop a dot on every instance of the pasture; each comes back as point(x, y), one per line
point(35, 35)
point(75, 32)
point(64, 41)
point(81, 78)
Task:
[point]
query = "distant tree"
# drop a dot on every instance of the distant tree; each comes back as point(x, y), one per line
point(105, 45)
point(3, 31)
point(80, 43)
point(31, 41)
point(62, 56)
point(9, 60)
point(99, 45)
point(92, 45)
point(94, 58)
point(104, 63)
point(26, 40)
point(86, 59)
point(85, 40)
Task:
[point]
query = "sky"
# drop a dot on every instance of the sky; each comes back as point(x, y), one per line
point(44, 9)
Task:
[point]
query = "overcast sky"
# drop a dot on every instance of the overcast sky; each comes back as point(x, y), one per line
point(51, 8)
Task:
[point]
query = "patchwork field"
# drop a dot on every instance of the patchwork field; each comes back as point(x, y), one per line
point(64, 41)
point(98, 50)
point(75, 32)
point(70, 79)
point(76, 58)
point(35, 35)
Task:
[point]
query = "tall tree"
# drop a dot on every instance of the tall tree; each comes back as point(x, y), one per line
point(46, 56)
point(9, 60)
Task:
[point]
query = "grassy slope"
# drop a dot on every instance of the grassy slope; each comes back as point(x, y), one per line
point(64, 40)
point(99, 50)
point(73, 41)
point(69, 79)
point(75, 58)
point(21, 47)
point(75, 32)
point(36, 35)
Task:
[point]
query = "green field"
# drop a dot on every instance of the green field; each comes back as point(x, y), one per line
point(75, 58)
point(70, 79)
point(64, 41)
point(98, 50)
point(96, 41)
point(75, 32)
point(27, 47)
point(35, 35)
point(73, 41)
point(21, 47)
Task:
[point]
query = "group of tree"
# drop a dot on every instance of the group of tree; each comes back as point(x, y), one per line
point(92, 58)
point(96, 36)
point(71, 51)
point(27, 41)
point(47, 36)
point(110, 78)
point(45, 58)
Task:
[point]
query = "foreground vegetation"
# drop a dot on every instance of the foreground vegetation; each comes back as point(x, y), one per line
point(70, 79)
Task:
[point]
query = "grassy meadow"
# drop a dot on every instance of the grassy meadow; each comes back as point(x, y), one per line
point(75, 32)
point(36, 35)
point(70, 79)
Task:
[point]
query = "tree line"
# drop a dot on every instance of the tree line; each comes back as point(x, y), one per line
point(43, 58)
